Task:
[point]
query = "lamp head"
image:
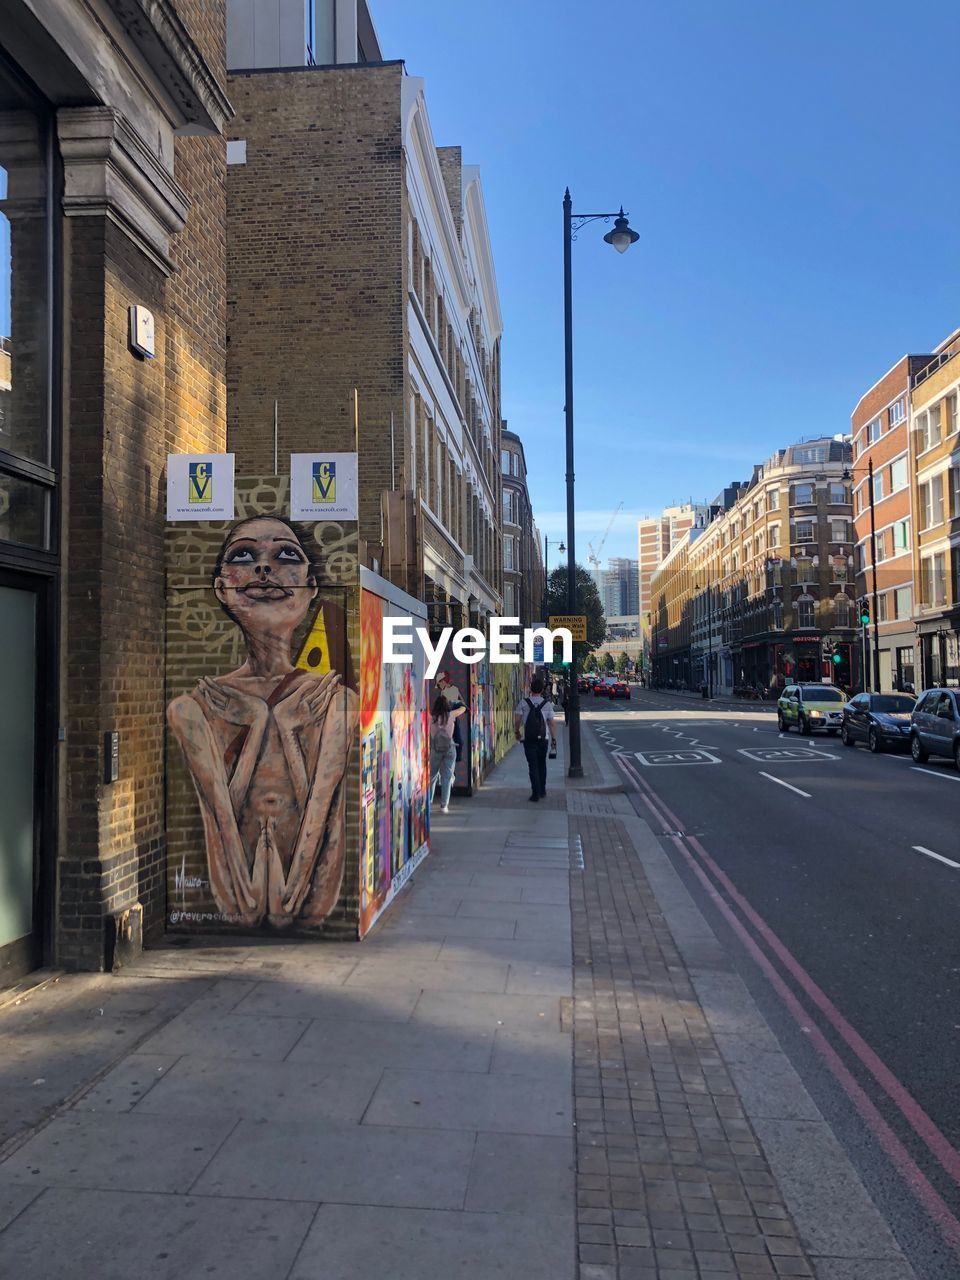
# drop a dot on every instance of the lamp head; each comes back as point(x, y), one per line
point(622, 236)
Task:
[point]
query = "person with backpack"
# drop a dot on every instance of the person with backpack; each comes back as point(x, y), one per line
point(443, 751)
point(533, 724)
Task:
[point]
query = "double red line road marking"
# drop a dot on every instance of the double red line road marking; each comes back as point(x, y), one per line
point(704, 867)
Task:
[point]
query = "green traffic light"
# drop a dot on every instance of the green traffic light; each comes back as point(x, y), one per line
point(865, 619)
point(837, 658)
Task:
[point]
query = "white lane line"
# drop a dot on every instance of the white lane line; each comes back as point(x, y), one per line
point(939, 856)
point(788, 785)
point(935, 773)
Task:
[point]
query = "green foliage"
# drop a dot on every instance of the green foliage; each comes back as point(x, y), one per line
point(608, 663)
point(624, 665)
point(588, 602)
point(591, 664)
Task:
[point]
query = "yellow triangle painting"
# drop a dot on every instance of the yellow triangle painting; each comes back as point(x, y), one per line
point(315, 652)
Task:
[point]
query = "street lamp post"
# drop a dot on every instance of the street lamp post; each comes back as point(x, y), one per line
point(546, 573)
point(621, 238)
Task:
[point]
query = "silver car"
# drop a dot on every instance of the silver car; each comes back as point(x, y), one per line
point(935, 726)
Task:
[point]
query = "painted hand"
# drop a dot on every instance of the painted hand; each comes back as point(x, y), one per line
point(228, 703)
point(308, 702)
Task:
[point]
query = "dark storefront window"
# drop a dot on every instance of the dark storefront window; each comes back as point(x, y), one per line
point(26, 477)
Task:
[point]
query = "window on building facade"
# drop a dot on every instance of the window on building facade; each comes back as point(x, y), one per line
point(955, 571)
point(897, 412)
point(776, 615)
point(874, 431)
point(806, 611)
point(903, 602)
point(802, 494)
point(515, 463)
point(933, 580)
point(954, 492)
point(811, 454)
point(773, 500)
point(899, 475)
point(901, 536)
point(509, 600)
point(881, 545)
point(805, 531)
point(883, 611)
point(509, 554)
point(842, 606)
point(773, 535)
point(839, 494)
point(951, 414)
point(878, 486)
point(838, 531)
point(860, 558)
point(928, 428)
point(505, 461)
point(508, 506)
point(931, 503)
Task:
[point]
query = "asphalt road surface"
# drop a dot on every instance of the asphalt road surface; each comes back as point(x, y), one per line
point(834, 877)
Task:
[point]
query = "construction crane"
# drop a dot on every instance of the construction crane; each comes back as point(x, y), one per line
point(594, 556)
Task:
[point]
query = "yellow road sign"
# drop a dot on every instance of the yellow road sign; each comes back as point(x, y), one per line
point(575, 623)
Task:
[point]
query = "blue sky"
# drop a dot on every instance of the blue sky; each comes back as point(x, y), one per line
point(792, 173)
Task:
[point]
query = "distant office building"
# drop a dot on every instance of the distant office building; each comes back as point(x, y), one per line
point(656, 538)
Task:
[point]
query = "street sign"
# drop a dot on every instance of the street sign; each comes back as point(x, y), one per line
point(575, 623)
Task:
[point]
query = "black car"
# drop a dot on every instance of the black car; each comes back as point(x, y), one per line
point(879, 719)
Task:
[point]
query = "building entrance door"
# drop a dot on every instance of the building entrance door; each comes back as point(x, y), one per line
point(20, 940)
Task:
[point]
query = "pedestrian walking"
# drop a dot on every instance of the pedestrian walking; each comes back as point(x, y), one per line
point(534, 726)
point(443, 750)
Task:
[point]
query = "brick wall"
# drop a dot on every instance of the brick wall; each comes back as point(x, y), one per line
point(122, 416)
point(315, 303)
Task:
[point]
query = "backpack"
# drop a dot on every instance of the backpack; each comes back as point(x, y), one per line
point(440, 744)
point(534, 727)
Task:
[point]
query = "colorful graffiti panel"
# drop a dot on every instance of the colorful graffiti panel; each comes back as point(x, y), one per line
point(394, 756)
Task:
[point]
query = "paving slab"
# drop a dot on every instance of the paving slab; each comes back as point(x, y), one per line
point(536, 977)
point(460, 1100)
point(123, 1087)
point(348, 1164)
point(441, 975)
point(521, 1173)
point(262, 1090)
point(227, 1035)
point(451, 1010)
point(66, 1234)
point(14, 1198)
point(538, 1053)
point(358, 1004)
point(119, 1152)
point(353, 1243)
point(401, 1044)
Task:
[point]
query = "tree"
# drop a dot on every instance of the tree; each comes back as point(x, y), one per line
point(588, 603)
point(624, 665)
point(590, 664)
point(608, 663)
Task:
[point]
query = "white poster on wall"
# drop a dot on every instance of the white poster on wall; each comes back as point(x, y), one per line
point(200, 486)
point(323, 486)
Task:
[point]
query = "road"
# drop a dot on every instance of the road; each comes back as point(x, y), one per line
point(834, 877)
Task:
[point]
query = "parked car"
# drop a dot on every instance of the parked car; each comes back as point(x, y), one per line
point(935, 726)
point(619, 689)
point(809, 707)
point(878, 719)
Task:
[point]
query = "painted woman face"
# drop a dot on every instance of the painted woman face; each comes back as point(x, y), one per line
point(265, 582)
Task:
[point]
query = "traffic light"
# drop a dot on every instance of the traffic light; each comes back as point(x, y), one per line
point(836, 659)
point(864, 615)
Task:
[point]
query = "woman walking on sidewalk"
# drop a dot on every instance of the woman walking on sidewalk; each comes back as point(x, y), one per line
point(443, 749)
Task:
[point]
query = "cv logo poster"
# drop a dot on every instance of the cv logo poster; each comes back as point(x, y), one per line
point(323, 486)
point(200, 486)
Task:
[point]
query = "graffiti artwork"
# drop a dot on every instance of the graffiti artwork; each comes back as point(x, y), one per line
point(267, 744)
point(394, 766)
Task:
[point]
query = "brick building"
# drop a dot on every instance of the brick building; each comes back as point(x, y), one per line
point(523, 575)
point(656, 538)
point(768, 589)
point(111, 195)
point(359, 261)
point(934, 414)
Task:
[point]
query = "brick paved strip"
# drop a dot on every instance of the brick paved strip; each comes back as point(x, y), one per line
point(671, 1180)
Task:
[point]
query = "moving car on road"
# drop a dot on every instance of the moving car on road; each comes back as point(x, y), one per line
point(619, 689)
point(878, 719)
point(809, 707)
point(601, 689)
point(935, 726)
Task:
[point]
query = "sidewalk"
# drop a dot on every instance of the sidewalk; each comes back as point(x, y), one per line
point(540, 1066)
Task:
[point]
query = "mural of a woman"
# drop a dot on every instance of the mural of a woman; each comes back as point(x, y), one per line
point(267, 745)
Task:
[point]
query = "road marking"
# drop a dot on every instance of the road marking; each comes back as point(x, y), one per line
point(784, 755)
point(939, 856)
point(935, 773)
point(698, 756)
point(788, 785)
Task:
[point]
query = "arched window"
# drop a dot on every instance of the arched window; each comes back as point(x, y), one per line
point(806, 611)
